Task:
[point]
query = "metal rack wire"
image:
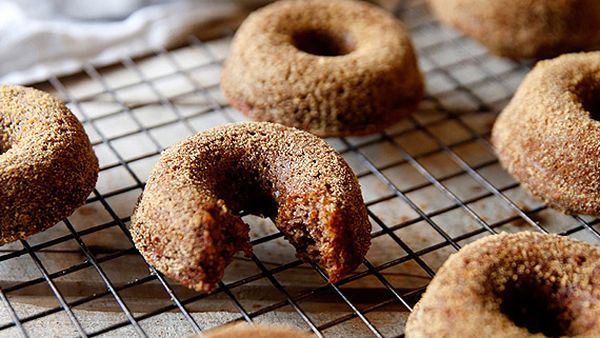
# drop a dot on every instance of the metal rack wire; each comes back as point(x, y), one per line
point(466, 88)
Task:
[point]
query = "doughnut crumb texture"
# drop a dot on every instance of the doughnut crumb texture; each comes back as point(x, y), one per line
point(513, 285)
point(187, 222)
point(47, 165)
point(548, 137)
point(525, 28)
point(331, 67)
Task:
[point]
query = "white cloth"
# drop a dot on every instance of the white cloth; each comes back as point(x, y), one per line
point(36, 41)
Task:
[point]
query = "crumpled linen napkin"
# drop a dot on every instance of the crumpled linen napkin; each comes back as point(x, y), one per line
point(36, 41)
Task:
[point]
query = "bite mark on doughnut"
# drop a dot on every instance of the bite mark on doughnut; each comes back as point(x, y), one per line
point(188, 224)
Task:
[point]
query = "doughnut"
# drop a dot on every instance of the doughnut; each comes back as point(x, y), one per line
point(513, 285)
point(187, 222)
point(253, 331)
point(47, 165)
point(548, 137)
point(331, 67)
point(525, 28)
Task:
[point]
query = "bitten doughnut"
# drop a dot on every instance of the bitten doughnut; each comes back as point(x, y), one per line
point(519, 285)
point(253, 331)
point(187, 223)
point(548, 137)
point(525, 28)
point(47, 165)
point(331, 67)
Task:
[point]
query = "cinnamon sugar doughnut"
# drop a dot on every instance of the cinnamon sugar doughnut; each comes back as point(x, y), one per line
point(525, 28)
point(187, 222)
point(519, 285)
point(47, 165)
point(331, 67)
point(548, 137)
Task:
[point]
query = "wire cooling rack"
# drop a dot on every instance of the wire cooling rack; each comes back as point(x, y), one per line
point(431, 185)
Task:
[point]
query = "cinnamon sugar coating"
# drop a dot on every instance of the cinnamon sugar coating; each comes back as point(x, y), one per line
point(187, 222)
point(331, 67)
point(47, 165)
point(513, 285)
point(525, 28)
point(548, 137)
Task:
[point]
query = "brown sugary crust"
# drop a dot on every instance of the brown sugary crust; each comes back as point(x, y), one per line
point(47, 165)
point(187, 225)
point(548, 140)
point(253, 331)
point(525, 28)
point(463, 298)
point(369, 89)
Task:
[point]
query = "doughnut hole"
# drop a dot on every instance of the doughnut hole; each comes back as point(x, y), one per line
point(323, 42)
point(244, 191)
point(589, 94)
point(543, 306)
point(4, 142)
point(592, 105)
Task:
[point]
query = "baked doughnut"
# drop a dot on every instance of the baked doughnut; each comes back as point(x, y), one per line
point(187, 222)
point(519, 285)
point(525, 28)
point(253, 331)
point(548, 137)
point(331, 67)
point(47, 165)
